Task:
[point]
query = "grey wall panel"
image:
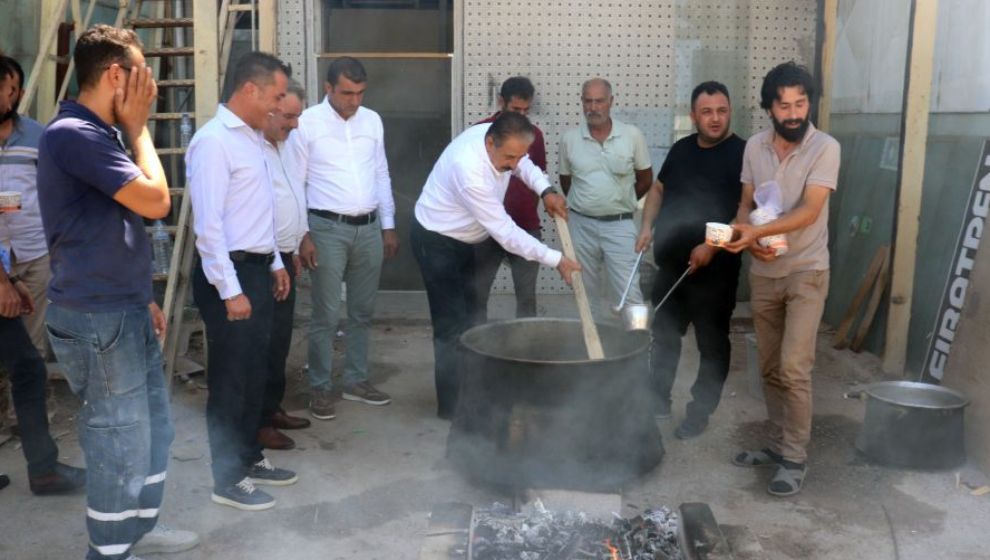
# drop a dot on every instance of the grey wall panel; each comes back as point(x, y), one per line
point(291, 40)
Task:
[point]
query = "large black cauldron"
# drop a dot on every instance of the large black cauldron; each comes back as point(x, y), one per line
point(535, 412)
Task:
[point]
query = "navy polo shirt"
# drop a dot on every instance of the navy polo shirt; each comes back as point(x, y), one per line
point(100, 254)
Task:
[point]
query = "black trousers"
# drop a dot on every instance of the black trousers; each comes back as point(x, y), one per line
point(28, 380)
point(281, 342)
point(705, 299)
point(237, 370)
point(448, 270)
point(488, 256)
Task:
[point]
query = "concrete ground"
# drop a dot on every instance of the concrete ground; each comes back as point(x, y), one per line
point(369, 478)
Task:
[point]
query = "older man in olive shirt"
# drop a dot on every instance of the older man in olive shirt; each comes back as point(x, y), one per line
point(604, 168)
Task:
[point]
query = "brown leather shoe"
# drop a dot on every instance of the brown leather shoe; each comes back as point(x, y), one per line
point(63, 479)
point(270, 438)
point(283, 421)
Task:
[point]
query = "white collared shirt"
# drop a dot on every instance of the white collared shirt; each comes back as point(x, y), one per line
point(290, 200)
point(342, 162)
point(232, 200)
point(463, 195)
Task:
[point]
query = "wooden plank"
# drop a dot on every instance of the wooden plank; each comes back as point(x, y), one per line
point(267, 25)
point(588, 327)
point(153, 23)
point(910, 175)
point(205, 60)
point(448, 533)
point(878, 290)
point(839, 341)
point(826, 60)
point(41, 82)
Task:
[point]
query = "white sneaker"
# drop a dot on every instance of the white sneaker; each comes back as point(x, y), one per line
point(165, 539)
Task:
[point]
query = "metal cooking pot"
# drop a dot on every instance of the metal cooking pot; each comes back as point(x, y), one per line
point(534, 412)
point(914, 425)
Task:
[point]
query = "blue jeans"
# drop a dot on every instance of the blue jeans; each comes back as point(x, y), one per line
point(350, 254)
point(112, 361)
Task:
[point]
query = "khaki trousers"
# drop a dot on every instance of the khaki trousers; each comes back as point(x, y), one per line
point(786, 314)
point(36, 274)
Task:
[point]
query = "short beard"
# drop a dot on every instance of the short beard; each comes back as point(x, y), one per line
point(9, 115)
point(792, 135)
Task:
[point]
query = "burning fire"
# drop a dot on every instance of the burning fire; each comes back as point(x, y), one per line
point(612, 549)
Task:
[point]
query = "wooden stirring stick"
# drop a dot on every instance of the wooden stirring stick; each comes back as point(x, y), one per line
point(591, 340)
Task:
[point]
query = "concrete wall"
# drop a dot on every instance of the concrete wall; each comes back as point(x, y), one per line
point(967, 366)
point(867, 96)
point(867, 191)
point(19, 30)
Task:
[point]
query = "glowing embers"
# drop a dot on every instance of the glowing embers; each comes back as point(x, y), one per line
point(539, 534)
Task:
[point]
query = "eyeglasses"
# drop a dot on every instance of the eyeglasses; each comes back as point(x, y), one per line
point(121, 66)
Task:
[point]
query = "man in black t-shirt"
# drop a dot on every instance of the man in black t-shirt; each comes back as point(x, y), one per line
point(699, 182)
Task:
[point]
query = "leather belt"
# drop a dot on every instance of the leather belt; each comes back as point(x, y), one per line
point(254, 258)
point(361, 220)
point(608, 218)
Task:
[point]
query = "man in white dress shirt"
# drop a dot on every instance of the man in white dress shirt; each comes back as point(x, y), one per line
point(290, 227)
point(234, 220)
point(461, 206)
point(339, 152)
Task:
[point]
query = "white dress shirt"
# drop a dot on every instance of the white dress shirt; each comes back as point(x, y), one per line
point(342, 162)
point(463, 198)
point(232, 200)
point(290, 200)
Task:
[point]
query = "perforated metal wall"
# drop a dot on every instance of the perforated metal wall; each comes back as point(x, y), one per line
point(652, 51)
point(292, 37)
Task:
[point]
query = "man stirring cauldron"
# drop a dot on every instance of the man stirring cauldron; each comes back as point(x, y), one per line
point(461, 206)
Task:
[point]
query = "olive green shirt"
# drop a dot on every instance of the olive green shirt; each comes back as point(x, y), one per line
point(815, 161)
point(603, 175)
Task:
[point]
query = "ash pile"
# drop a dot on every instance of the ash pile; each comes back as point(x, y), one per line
point(502, 534)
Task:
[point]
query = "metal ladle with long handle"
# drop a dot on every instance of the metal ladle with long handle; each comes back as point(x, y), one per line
point(625, 293)
point(672, 288)
point(636, 317)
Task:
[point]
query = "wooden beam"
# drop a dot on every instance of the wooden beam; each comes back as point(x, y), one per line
point(205, 33)
point(911, 174)
point(40, 85)
point(80, 26)
point(267, 26)
point(826, 59)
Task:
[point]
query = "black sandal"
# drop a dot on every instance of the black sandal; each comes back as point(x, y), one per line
point(787, 480)
point(762, 458)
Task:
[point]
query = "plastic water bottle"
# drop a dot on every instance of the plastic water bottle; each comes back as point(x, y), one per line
point(161, 247)
point(185, 130)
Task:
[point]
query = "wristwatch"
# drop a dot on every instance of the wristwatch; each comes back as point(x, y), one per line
point(549, 190)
